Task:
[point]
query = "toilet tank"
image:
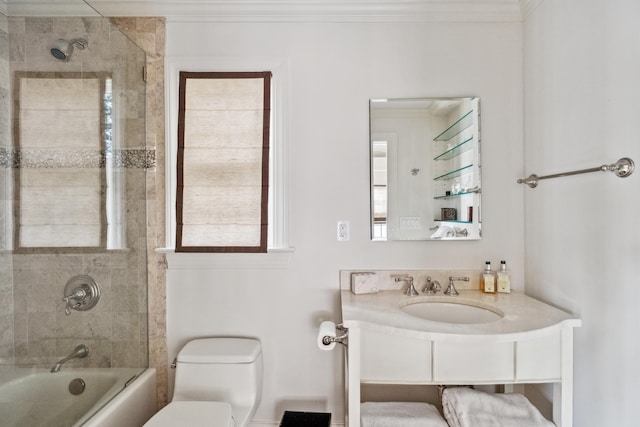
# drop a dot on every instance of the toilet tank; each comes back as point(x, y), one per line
point(221, 369)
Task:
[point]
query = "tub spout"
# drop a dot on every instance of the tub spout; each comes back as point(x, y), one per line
point(79, 352)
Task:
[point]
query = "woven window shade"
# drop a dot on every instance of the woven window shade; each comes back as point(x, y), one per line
point(59, 132)
point(223, 158)
point(380, 203)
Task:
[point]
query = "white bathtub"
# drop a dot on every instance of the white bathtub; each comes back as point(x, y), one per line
point(39, 398)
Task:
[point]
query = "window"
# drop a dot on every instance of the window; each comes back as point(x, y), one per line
point(61, 182)
point(222, 180)
point(278, 249)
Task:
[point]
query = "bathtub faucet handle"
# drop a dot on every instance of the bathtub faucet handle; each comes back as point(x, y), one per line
point(78, 295)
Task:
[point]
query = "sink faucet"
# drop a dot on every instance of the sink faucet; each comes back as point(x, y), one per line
point(432, 287)
point(451, 289)
point(79, 352)
point(411, 290)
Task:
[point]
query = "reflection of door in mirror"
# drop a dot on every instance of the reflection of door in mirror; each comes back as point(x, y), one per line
point(425, 169)
point(61, 183)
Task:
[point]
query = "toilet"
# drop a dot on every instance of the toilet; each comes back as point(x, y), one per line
point(218, 384)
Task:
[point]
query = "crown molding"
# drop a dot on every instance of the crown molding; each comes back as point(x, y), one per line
point(528, 6)
point(52, 8)
point(316, 10)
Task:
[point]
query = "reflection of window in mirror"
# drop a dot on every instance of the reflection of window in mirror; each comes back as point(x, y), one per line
point(62, 133)
point(384, 175)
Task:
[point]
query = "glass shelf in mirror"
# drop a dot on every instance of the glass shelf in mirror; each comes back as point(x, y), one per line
point(451, 196)
point(463, 147)
point(453, 174)
point(461, 124)
point(453, 220)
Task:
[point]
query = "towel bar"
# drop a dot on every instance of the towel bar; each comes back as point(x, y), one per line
point(622, 168)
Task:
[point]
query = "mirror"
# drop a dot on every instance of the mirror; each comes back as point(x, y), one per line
point(425, 169)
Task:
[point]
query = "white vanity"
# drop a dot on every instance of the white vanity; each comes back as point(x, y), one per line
point(392, 341)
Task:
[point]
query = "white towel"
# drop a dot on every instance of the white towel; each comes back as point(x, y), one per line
point(400, 414)
point(465, 407)
point(443, 231)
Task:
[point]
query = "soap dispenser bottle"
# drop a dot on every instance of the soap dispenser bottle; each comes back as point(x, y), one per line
point(503, 281)
point(488, 279)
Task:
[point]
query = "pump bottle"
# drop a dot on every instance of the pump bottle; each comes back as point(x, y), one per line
point(488, 279)
point(503, 280)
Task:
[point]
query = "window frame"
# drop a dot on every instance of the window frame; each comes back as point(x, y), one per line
point(184, 76)
point(94, 155)
point(278, 248)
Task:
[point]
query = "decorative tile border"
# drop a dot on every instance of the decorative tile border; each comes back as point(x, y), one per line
point(135, 159)
point(128, 159)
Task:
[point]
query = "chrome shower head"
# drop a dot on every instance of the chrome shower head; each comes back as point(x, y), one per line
point(63, 49)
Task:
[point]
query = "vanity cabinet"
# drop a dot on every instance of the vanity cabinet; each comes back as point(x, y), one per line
point(381, 362)
point(532, 343)
point(386, 357)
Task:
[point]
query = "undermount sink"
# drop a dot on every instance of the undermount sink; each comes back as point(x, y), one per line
point(453, 310)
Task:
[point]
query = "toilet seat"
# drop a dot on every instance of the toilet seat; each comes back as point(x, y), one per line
point(193, 414)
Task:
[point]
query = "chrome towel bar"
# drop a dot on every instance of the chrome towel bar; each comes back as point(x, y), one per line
point(622, 168)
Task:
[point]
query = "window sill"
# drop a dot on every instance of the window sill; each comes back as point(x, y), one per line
point(274, 258)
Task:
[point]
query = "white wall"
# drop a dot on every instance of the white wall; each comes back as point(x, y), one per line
point(582, 62)
point(335, 69)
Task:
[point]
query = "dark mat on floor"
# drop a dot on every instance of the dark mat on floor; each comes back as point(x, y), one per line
point(305, 419)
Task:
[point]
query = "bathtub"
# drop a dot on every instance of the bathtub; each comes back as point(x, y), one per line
point(122, 397)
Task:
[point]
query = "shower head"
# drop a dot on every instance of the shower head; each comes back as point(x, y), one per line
point(63, 49)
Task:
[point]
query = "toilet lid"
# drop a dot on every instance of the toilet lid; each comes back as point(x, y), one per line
point(220, 350)
point(193, 414)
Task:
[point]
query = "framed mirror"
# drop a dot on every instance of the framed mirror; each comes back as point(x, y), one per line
point(425, 169)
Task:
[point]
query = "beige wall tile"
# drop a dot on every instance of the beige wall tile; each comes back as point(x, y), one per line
point(37, 330)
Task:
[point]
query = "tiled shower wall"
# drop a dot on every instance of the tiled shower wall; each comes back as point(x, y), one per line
point(6, 261)
point(149, 34)
point(33, 326)
point(41, 277)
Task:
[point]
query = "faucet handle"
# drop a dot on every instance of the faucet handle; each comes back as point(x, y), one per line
point(68, 307)
point(451, 289)
point(80, 293)
point(77, 295)
point(411, 290)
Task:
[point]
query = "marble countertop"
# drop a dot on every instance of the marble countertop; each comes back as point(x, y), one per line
point(522, 316)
